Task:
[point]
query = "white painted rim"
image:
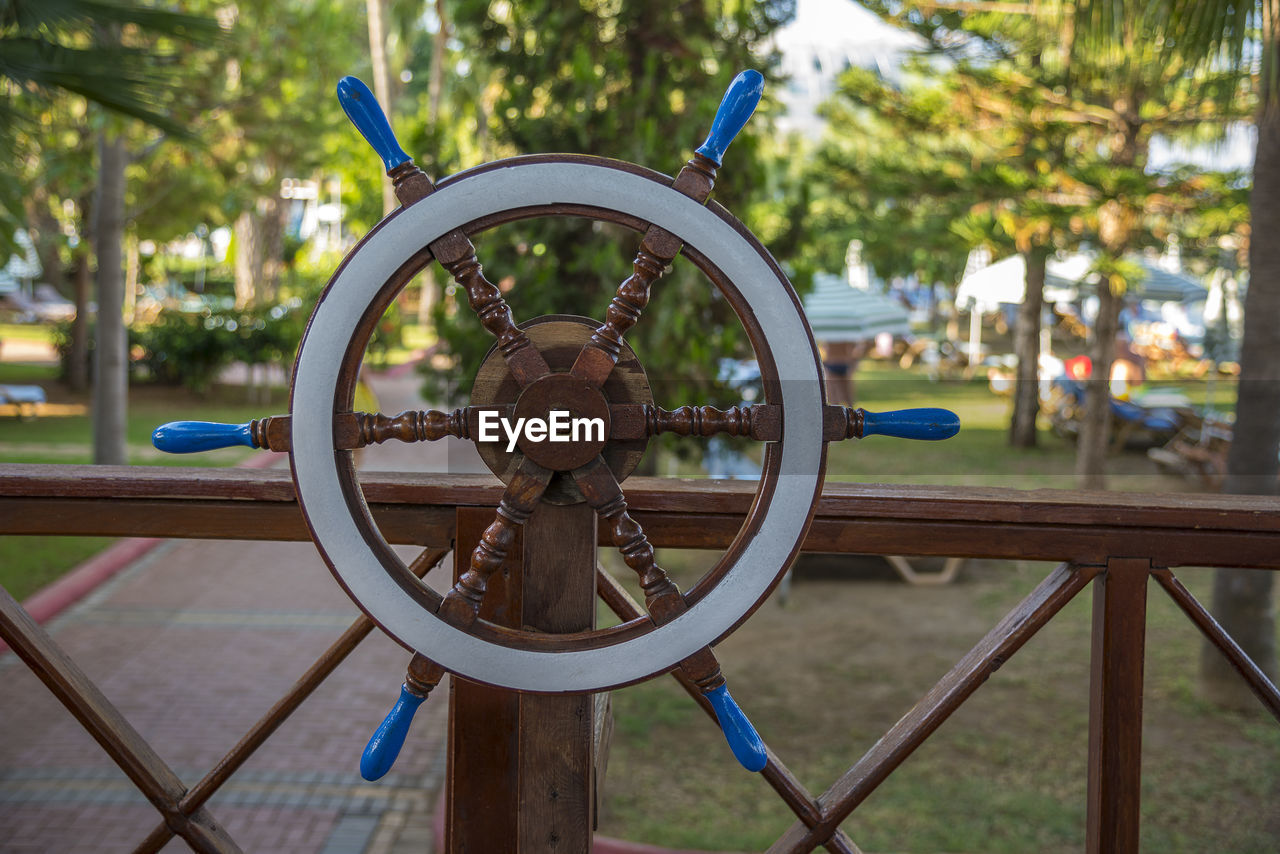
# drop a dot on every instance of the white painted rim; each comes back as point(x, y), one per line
point(490, 192)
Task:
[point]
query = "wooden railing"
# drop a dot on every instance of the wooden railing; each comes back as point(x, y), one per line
point(1115, 541)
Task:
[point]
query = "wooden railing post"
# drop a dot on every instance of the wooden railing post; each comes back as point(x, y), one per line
point(521, 766)
point(1115, 706)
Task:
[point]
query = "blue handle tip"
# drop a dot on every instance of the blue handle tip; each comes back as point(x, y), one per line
point(744, 741)
point(366, 114)
point(739, 102)
point(927, 424)
point(189, 437)
point(384, 747)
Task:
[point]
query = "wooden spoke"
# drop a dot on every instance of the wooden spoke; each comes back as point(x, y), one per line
point(662, 597)
point(635, 421)
point(457, 255)
point(352, 430)
point(658, 248)
point(461, 605)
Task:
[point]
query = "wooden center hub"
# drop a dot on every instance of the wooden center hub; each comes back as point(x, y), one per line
point(563, 422)
point(559, 338)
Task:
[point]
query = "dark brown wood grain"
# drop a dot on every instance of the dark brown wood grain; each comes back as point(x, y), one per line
point(559, 338)
point(352, 430)
point(557, 732)
point(1115, 706)
point(1262, 687)
point(1085, 527)
point(457, 255)
point(856, 784)
point(461, 605)
point(658, 248)
point(762, 423)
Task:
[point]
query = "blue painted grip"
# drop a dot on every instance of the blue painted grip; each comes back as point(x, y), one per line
point(188, 437)
point(365, 113)
point(739, 103)
point(743, 739)
point(930, 424)
point(381, 751)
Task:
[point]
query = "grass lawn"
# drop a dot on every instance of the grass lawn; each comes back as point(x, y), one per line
point(980, 455)
point(824, 677)
point(28, 563)
point(26, 332)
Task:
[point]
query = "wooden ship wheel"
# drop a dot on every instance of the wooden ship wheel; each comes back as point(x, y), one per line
point(580, 395)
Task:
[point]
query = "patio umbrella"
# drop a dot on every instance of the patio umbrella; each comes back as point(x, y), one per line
point(839, 312)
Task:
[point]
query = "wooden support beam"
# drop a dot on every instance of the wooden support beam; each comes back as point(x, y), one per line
point(1115, 706)
point(557, 732)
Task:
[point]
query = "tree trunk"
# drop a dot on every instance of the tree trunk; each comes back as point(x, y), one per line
point(1244, 600)
point(259, 260)
point(270, 225)
point(1026, 346)
point(376, 10)
point(110, 355)
point(133, 263)
point(46, 235)
point(78, 353)
point(1095, 427)
point(435, 90)
point(248, 261)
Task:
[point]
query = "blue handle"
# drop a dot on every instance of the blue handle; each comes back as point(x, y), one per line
point(736, 107)
point(929, 424)
point(381, 751)
point(188, 437)
point(743, 739)
point(363, 110)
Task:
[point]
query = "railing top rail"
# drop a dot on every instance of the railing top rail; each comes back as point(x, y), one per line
point(1085, 527)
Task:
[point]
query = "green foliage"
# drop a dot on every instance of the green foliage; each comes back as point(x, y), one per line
point(1016, 138)
point(120, 56)
point(189, 349)
point(639, 82)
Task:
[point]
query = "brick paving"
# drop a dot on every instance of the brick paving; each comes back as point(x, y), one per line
point(194, 642)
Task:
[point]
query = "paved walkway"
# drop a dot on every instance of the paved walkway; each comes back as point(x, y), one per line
point(194, 642)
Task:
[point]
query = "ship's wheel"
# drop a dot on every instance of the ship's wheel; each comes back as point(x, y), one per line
point(585, 387)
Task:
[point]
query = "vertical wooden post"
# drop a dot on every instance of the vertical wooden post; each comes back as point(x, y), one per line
point(521, 766)
point(1115, 706)
point(557, 732)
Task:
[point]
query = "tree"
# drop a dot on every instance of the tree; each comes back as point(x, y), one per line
point(108, 54)
point(1245, 37)
point(278, 117)
point(983, 166)
point(1099, 115)
point(636, 82)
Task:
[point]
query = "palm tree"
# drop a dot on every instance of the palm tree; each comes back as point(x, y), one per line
point(1245, 37)
point(52, 47)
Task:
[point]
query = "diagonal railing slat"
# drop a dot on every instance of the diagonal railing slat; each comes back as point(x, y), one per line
point(793, 794)
point(1085, 529)
point(279, 712)
point(1017, 627)
point(1261, 686)
point(101, 719)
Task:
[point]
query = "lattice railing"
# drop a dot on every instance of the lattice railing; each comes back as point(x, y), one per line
point(1117, 542)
